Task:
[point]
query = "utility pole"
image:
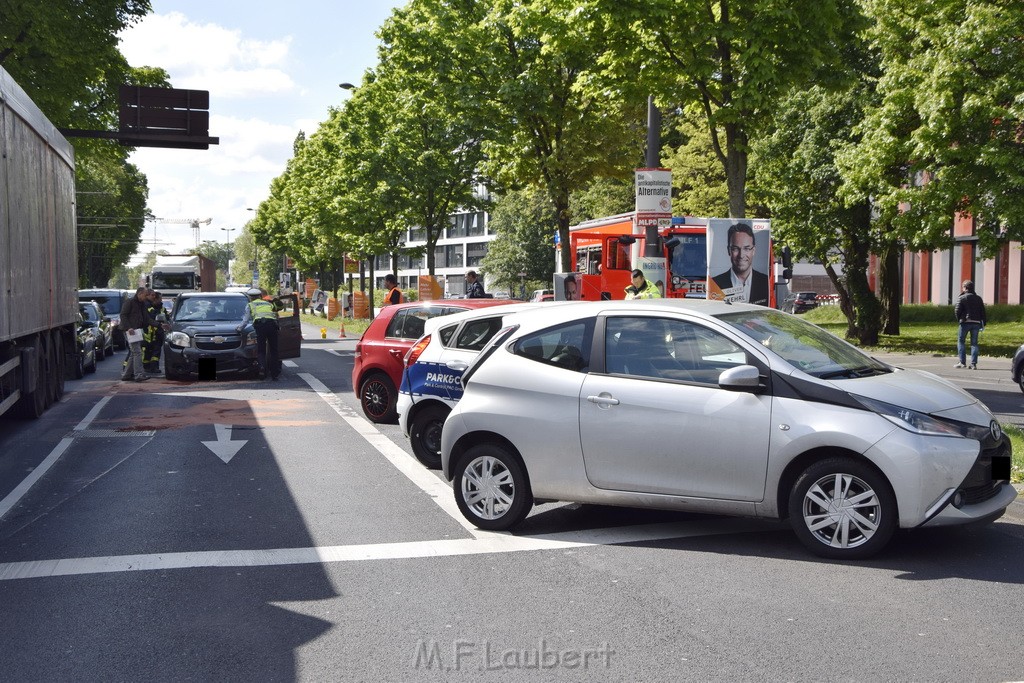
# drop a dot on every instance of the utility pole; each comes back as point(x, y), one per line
point(653, 160)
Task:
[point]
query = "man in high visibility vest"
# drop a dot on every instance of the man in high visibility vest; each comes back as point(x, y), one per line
point(394, 294)
point(641, 288)
point(263, 310)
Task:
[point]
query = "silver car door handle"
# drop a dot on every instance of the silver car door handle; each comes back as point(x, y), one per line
point(459, 365)
point(603, 400)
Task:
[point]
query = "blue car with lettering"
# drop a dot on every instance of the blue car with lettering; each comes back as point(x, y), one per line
point(432, 373)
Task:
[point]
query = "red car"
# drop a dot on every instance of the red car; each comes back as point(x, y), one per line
point(380, 352)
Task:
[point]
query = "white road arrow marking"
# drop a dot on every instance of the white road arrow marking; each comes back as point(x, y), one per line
point(224, 448)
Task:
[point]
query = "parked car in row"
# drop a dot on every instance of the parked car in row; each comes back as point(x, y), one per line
point(380, 351)
point(217, 327)
point(86, 341)
point(431, 379)
point(1017, 367)
point(110, 301)
point(720, 408)
point(92, 316)
point(800, 302)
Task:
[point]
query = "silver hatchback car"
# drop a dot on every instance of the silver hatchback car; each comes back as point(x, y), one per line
point(719, 408)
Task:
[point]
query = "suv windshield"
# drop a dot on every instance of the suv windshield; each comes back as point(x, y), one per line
point(211, 308)
point(805, 346)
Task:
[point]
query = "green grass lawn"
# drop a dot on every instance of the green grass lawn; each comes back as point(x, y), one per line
point(352, 327)
point(932, 329)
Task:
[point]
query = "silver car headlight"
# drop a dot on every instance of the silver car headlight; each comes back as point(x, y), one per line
point(250, 339)
point(922, 423)
point(179, 339)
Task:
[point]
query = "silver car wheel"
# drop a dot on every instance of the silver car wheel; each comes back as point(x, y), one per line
point(841, 510)
point(488, 488)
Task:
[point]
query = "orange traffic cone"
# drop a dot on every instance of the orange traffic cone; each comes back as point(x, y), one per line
point(342, 335)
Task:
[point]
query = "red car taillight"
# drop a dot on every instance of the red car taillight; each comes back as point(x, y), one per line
point(413, 353)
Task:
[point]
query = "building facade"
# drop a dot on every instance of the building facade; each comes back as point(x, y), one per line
point(935, 276)
point(462, 247)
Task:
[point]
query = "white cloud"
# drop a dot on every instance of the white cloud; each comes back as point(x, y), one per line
point(218, 183)
point(208, 56)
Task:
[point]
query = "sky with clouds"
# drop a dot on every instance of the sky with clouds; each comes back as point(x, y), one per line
point(272, 69)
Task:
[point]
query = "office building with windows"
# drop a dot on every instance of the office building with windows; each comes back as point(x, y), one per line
point(462, 247)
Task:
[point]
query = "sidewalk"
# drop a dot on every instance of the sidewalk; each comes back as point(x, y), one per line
point(990, 369)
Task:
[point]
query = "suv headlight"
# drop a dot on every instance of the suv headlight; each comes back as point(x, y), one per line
point(179, 339)
point(922, 423)
point(250, 339)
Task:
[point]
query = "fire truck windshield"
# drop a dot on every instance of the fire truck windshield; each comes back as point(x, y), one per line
point(690, 258)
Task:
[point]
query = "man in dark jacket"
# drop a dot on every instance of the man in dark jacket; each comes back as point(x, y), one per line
point(135, 319)
point(970, 313)
point(474, 288)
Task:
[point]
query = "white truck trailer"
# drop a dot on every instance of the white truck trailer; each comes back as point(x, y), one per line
point(173, 274)
point(38, 255)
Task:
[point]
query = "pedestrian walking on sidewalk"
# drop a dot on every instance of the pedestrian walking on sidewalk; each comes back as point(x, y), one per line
point(970, 313)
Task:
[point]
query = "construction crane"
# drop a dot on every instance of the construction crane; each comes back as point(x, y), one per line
point(194, 222)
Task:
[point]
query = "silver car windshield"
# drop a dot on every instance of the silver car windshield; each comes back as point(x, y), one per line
point(805, 346)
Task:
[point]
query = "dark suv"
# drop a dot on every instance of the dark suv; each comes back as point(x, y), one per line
point(800, 302)
point(218, 326)
point(110, 301)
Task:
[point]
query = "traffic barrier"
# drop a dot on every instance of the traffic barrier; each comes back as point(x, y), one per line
point(323, 333)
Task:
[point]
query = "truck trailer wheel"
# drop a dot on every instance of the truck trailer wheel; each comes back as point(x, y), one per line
point(31, 405)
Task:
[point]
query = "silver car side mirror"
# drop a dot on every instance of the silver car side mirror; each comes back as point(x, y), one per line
point(740, 378)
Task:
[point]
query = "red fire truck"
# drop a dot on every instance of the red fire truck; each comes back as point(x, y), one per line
point(606, 250)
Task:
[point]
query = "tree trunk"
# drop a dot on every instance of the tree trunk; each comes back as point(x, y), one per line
point(736, 170)
point(561, 201)
point(864, 315)
point(890, 288)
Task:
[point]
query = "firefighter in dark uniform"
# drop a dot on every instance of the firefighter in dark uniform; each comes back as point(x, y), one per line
point(263, 310)
point(153, 337)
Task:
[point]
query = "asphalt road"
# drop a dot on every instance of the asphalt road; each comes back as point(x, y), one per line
point(295, 541)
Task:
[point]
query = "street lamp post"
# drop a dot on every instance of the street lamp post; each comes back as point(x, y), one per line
point(256, 253)
point(230, 254)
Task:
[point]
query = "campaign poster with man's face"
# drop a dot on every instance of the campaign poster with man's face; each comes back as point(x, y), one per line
point(739, 260)
point(567, 287)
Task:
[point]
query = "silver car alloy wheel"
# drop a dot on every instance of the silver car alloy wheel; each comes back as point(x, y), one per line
point(488, 488)
point(841, 510)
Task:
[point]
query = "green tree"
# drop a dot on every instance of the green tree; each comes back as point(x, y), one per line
point(734, 60)
point(524, 250)
point(111, 214)
point(950, 114)
point(698, 178)
point(814, 211)
point(64, 54)
point(522, 64)
point(603, 197)
point(428, 145)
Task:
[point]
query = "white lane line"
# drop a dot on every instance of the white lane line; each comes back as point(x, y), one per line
point(21, 489)
point(403, 462)
point(289, 364)
point(487, 543)
point(87, 420)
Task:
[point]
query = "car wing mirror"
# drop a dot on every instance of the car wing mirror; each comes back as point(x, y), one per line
point(740, 378)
